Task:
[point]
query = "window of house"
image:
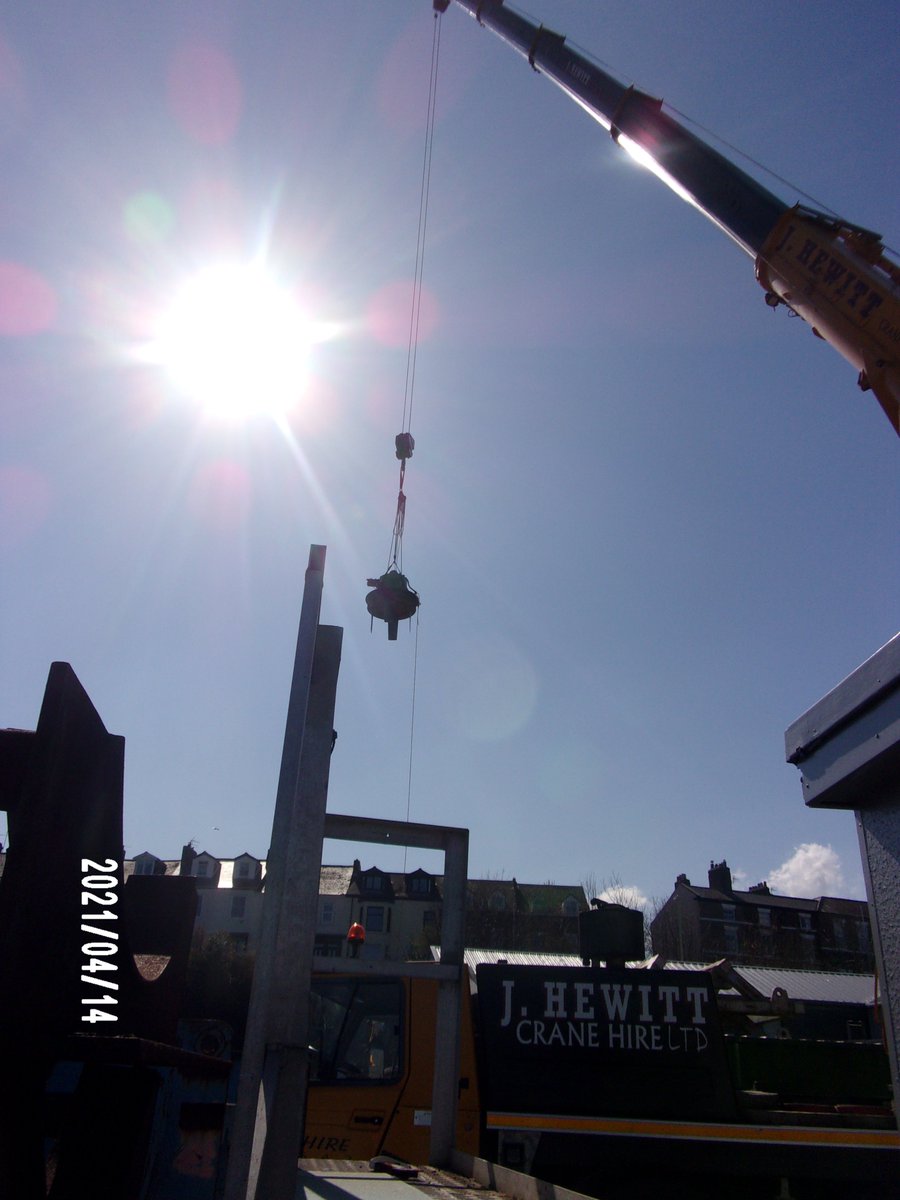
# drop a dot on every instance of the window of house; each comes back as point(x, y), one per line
point(731, 939)
point(145, 866)
point(203, 867)
point(498, 902)
point(327, 912)
point(728, 912)
point(805, 920)
point(862, 936)
point(765, 917)
point(238, 906)
point(243, 869)
point(840, 932)
point(375, 918)
point(328, 946)
point(373, 883)
point(420, 884)
point(570, 907)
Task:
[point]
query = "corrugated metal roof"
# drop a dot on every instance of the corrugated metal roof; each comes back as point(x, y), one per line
point(829, 987)
point(516, 958)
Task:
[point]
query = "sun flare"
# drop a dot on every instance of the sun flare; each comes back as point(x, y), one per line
point(236, 342)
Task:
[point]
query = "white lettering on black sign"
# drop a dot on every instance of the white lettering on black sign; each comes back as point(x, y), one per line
point(587, 1014)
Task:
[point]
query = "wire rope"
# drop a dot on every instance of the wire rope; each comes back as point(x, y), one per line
point(395, 556)
point(424, 191)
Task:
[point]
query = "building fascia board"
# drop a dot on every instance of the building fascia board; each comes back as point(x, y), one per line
point(847, 745)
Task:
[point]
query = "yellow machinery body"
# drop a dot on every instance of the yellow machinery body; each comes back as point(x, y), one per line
point(837, 279)
point(375, 1098)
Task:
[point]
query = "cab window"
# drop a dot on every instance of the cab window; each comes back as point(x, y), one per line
point(355, 1031)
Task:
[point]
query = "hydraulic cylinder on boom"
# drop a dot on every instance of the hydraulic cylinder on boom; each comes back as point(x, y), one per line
point(833, 274)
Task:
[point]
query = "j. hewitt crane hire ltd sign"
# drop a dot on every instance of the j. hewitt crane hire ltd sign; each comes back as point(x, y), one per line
point(642, 1042)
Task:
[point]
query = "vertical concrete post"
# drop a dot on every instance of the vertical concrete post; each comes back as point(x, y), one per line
point(848, 749)
point(286, 1071)
point(268, 1124)
point(451, 997)
point(879, 843)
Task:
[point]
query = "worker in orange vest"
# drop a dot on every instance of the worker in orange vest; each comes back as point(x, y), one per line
point(356, 936)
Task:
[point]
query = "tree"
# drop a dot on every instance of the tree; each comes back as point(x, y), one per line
point(218, 983)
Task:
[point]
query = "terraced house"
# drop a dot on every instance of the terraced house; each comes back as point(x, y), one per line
point(758, 927)
point(400, 911)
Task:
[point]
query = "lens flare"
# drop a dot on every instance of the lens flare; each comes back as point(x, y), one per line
point(205, 93)
point(148, 217)
point(235, 341)
point(27, 301)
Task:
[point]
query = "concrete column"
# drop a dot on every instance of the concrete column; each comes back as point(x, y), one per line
point(267, 1132)
point(451, 997)
point(879, 843)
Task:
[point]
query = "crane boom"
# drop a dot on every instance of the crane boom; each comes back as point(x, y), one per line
point(834, 275)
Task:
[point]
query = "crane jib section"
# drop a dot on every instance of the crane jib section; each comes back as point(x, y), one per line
point(832, 274)
point(741, 206)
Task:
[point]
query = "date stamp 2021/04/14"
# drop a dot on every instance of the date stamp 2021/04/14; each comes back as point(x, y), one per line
point(99, 896)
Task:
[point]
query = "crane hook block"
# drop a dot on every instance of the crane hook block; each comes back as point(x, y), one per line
point(391, 600)
point(404, 444)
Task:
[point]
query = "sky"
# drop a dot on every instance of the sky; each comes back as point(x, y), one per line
point(650, 521)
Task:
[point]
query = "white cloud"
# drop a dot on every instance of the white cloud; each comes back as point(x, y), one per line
point(624, 893)
point(812, 870)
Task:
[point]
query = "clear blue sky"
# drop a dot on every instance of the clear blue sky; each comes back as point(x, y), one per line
point(650, 521)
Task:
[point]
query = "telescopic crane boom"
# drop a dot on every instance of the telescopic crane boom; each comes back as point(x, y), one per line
point(833, 274)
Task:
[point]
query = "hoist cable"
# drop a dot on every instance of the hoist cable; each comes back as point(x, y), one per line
point(395, 556)
point(424, 190)
point(397, 547)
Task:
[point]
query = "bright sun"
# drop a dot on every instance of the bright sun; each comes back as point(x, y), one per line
point(236, 342)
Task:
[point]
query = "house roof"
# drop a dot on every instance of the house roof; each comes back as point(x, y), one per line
point(534, 898)
point(335, 880)
point(761, 897)
point(758, 899)
point(841, 906)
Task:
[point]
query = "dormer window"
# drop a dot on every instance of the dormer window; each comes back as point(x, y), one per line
point(373, 883)
point(245, 871)
point(206, 870)
point(148, 864)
